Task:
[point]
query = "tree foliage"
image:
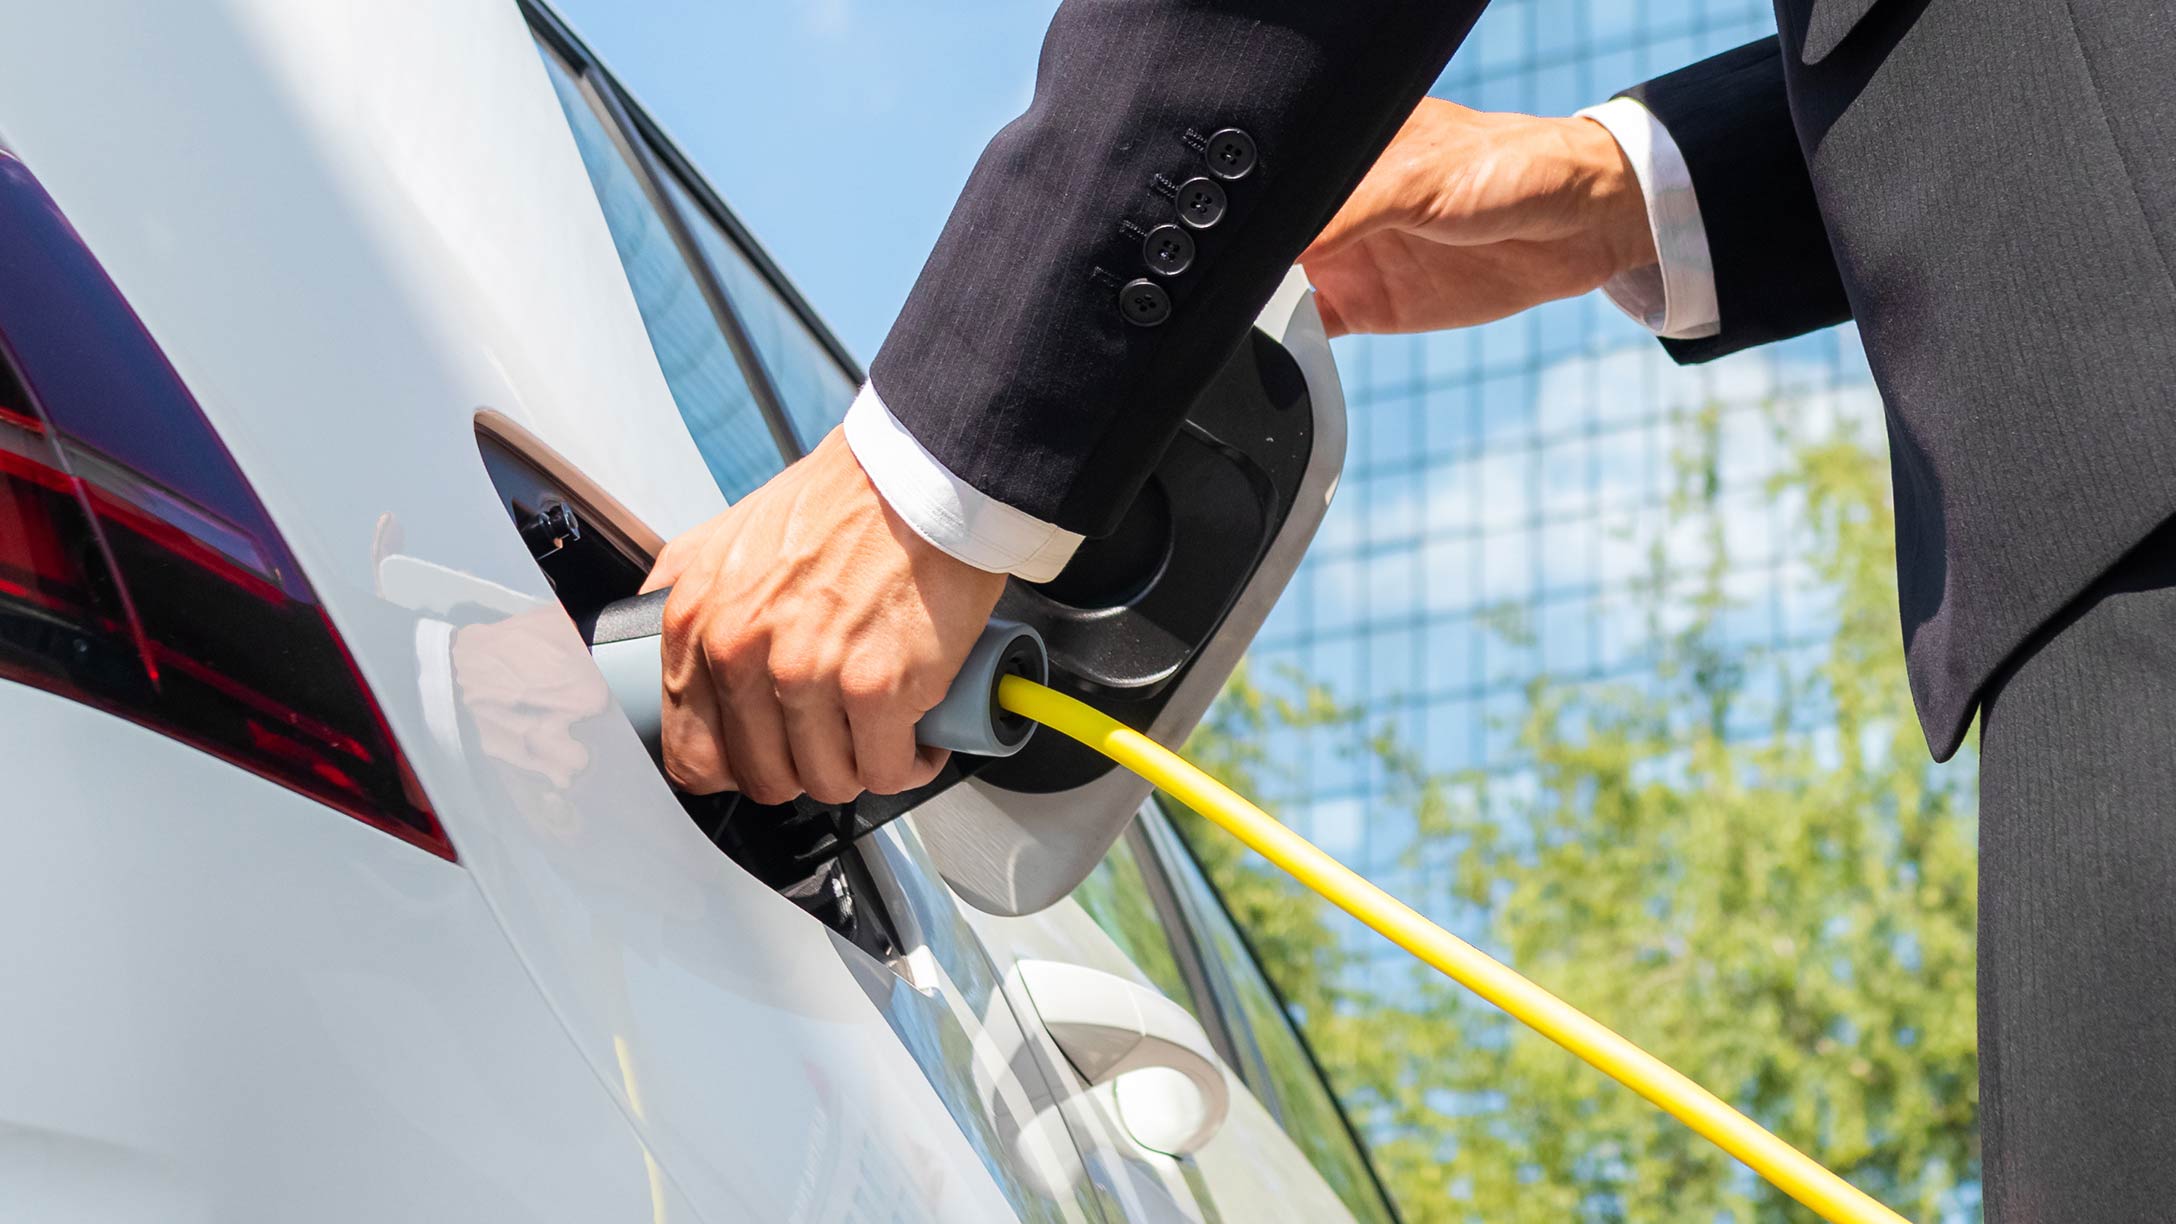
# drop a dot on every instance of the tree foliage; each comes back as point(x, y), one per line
point(1748, 868)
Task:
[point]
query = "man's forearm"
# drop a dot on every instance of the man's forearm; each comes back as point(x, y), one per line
point(1018, 363)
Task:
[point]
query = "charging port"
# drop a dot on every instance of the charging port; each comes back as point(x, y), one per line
point(594, 552)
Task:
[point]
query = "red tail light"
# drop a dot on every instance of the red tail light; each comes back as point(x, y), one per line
point(138, 571)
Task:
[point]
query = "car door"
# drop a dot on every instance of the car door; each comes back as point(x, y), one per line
point(756, 380)
point(1181, 1089)
point(998, 1011)
point(1149, 919)
point(1263, 1045)
point(366, 240)
point(1124, 935)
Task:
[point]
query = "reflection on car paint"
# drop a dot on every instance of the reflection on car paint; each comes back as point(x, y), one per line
point(960, 1029)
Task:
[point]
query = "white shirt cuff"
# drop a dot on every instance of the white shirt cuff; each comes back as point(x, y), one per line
point(945, 510)
point(1674, 297)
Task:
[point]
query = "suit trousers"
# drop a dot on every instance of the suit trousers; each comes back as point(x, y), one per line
point(2077, 927)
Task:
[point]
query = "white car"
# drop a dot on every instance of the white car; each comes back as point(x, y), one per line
point(352, 357)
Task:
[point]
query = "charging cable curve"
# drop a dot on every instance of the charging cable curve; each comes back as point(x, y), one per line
point(1784, 1166)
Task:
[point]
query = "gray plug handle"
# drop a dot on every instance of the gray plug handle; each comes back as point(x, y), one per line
point(623, 638)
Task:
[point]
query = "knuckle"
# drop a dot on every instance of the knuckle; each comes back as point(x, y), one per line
point(914, 770)
point(770, 792)
point(797, 679)
point(767, 781)
point(890, 780)
point(870, 688)
point(923, 685)
point(834, 790)
point(690, 781)
point(740, 660)
point(806, 676)
point(923, 772)
point(761, 775)
point(697, 772)
point(682, 619)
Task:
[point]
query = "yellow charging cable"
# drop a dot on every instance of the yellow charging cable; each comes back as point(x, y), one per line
point(1791, 1170)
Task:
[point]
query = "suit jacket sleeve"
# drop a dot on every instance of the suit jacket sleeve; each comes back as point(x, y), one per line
point(1011, 362)
point(1775, 276)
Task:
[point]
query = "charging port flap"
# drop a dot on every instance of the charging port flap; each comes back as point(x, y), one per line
point(595, 553)
point(1147, 624)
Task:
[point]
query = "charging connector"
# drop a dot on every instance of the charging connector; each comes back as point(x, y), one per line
point(623, 638)
point(1003, 692)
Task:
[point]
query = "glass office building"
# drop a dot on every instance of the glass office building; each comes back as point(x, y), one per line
point(1506, 487)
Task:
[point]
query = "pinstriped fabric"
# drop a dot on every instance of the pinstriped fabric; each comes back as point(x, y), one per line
point(1988, 193)
point(2078, 909)
point(1011, 362)
point(1987, 188)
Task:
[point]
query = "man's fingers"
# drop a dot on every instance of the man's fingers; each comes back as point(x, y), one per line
point(689, 730)
point(755, 741)
point(890, 761)
point(823, 750)
point(773, 605)
point(681, 553)
point(1333, 321)
point(693, 748)
point(1350, 288)
point(927, 761)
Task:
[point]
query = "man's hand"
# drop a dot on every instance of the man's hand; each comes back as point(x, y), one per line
point(808, 630)
point(1470, 216)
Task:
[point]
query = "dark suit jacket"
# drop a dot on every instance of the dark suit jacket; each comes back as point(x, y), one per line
point(1987, 186)
point(1011, 361)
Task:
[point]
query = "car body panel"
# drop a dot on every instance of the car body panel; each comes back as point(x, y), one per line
point(327, 145)
point(244, 1006)
point(352, 227)
point(1249, 1171)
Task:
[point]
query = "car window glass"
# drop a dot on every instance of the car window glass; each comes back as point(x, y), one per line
point(706, 382)
point(1116, 895)
point(810, 383)
point(1286, 1080)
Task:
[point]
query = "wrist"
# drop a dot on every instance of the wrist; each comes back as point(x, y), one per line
point(942, 510)
point(1607, 189)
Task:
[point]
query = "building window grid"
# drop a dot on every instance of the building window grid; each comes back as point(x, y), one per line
point(1422, 377)
point(1709, 31)
point(1390, 514)
point(1367, 398)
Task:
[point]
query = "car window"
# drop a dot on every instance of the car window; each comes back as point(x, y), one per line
point(1282, 1072)
point(810, 382)
point(1116, 894)
point(720, 412)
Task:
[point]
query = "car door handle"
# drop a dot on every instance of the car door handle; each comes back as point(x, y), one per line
point(1170, 1090)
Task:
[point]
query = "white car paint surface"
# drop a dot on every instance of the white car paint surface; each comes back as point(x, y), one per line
point(352, 227)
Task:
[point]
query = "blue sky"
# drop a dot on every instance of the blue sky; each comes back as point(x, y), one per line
point(839, 130)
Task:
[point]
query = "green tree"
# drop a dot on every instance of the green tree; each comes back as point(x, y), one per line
point(1785, 912)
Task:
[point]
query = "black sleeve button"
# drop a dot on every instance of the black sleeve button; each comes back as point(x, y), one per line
point(1169, 250)
point(1230, 154)
point(1144, 303)
point(1201, 202)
